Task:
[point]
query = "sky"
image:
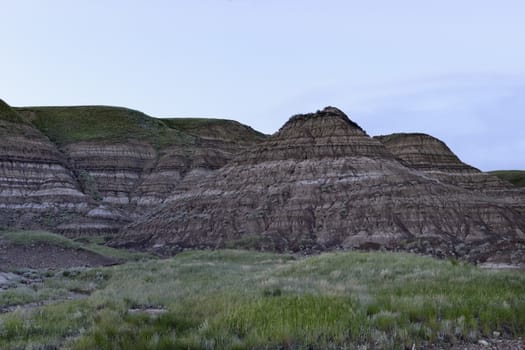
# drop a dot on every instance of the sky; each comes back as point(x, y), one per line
point(452, 69)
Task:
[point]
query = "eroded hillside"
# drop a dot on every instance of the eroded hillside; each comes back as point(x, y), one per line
point(319, 183)
point(88, 170)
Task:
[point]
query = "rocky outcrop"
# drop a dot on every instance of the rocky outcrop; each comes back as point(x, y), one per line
point(432, 157)
point(322, 183)
point(110, 172)
point(37, 187)
point(210, 144)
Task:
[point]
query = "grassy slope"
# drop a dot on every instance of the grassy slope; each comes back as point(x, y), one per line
point(12, 123)
point(241, 299)
point(215, 127)
point(515, 177)
point(65, 125)
point(28, 238)
point(8, 114)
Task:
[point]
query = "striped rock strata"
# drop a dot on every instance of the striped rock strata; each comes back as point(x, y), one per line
point(105, 165)
point(322, 183)
point(432, 157)
point(37, 189)
point(212, 144)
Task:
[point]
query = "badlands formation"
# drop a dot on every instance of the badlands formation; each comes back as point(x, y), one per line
point(319, 183)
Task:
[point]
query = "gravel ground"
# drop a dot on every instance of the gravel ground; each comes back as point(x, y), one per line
point(483, 344)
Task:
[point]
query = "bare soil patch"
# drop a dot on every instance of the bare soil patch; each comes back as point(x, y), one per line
point(42, 256)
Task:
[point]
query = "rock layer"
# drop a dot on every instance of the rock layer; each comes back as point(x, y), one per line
point(322, 183)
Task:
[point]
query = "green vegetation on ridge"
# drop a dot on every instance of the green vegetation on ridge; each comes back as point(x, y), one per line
point(515, 177)
point(8, 114)
point(248, 300)
point(64, 125)
point(214, 127)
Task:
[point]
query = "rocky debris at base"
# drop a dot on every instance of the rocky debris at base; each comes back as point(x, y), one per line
point(150, 310)
point(482, 344)
point(8, 280)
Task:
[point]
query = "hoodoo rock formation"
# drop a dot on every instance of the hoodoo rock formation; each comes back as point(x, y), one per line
point(322, 183)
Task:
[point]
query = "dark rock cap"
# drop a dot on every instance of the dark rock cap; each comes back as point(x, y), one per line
point(328, 111)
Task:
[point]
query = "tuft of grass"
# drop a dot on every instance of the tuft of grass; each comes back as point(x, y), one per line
point(138, 331)
point(295, 321)
point(515, 177)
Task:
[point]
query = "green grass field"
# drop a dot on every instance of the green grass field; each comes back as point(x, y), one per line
point(233, 299)
point(515, 177)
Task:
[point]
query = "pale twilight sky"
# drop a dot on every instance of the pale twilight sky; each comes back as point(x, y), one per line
point(453, 69)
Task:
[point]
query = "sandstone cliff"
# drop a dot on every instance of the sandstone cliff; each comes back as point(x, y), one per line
point(322, 183)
